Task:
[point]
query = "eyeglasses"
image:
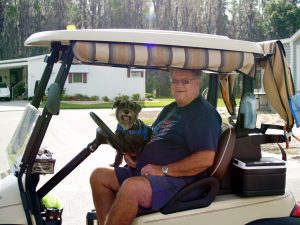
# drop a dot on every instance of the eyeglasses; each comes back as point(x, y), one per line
point(182, 81)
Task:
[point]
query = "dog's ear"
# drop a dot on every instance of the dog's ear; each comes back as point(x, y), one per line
point(116, 104)
point(138, 108)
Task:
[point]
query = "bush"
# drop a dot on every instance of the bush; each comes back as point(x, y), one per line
point(149, 96)
point(19, 89)
point(105, 99)
point(122, 97)
point(94, 98)
point(136, 97)
point(66, 97)
point(79, 97)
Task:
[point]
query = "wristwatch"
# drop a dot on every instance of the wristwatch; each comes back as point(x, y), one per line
point(165, 170)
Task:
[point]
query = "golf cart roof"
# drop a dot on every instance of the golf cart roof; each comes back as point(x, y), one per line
point(161, 49)
point(156, 37)
point(157, 49)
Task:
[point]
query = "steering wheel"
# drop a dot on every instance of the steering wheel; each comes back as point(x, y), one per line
point(112, 138)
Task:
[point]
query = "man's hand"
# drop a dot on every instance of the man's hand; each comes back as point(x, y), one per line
point(189, 166)
point(153, 170)
point(129, 160)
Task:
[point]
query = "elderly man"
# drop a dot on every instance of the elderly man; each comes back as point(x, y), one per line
point(182, 147)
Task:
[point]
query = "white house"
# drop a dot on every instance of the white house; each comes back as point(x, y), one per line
point(292, 49)
point(83, 79)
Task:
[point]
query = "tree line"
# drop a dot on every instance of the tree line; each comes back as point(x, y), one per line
point(254, 20)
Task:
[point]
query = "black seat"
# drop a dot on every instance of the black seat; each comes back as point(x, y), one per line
point(217, 171)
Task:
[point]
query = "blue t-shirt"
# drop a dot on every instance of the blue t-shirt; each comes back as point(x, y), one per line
point(181, 131)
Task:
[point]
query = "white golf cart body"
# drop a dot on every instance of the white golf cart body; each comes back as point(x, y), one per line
point(145, 49)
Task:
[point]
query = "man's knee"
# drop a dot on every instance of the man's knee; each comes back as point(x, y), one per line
point(104, 177)
point(137, 189)
point(96, 176)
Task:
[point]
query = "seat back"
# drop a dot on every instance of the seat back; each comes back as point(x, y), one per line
point(224, 154)
point(212, 183)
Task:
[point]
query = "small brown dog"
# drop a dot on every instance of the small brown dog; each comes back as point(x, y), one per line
point(131, 131)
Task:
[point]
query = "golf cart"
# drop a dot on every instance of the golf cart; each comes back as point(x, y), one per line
point(243, 186)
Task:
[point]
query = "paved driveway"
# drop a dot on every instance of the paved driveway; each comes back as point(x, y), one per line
point(67, 135)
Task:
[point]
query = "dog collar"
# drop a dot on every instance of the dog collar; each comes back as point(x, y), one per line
point(138, 128)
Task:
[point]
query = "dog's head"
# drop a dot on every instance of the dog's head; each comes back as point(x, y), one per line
point(127, 113)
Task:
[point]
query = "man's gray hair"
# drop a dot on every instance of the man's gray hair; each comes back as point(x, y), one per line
point(196, 73)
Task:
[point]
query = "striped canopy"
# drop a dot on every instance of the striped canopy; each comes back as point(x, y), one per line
point(277, 79)
point(226, 87)
point(163, 57)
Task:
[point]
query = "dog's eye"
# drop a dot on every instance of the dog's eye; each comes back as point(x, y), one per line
point(130, 105)
point(122, 104)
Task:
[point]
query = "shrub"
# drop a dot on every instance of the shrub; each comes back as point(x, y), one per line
point(66, 97)
point(122, 97)
point(81, 97)
point(94, 98)
point(149, 96)
point(136, 97)
point(19, 89)
point(105, 99)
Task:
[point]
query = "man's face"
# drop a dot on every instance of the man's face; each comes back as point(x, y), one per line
point(184, 86)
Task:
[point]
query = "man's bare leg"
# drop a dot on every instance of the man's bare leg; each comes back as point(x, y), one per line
point(134, 192)
point(104, 186)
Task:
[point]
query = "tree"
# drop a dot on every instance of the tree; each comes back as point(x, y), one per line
point(245, 19)
point(221, 18)
point(10, 46)
point(233, 20)
point(158, 83)
point(23, 25)
point(282, 19)
point(253, 20)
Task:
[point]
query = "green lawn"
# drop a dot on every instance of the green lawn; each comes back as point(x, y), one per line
point(76, 105)
point(145, 104)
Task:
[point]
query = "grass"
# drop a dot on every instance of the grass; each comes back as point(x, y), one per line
point(156, 103)
point(148, 121)
point(104, 105)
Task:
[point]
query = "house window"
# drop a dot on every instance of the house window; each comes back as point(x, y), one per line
point(0, 79)
point(77, 77)
point(135, 73)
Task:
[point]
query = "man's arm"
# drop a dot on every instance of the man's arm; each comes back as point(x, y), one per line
point(130, 162)
point(188, 166)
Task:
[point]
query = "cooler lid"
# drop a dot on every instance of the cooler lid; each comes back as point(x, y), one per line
point(262, 163)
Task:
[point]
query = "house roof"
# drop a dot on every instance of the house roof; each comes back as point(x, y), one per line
point(17, 63)
point(294, 37)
